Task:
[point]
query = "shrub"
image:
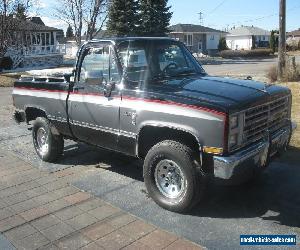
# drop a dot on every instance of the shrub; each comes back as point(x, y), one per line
point(6, 63)
point(222, 44)
point(292, 44)
point(245, 53)
point(272, 73)
point(291, 73)
point(273, 42)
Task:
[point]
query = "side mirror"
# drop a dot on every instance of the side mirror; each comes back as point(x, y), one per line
point(108, 88)
point(68, 76)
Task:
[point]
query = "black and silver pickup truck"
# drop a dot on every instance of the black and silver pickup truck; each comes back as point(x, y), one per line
point(150, 98)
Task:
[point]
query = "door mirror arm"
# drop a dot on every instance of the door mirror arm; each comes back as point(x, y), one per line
point(108, 88)
point(68, 76)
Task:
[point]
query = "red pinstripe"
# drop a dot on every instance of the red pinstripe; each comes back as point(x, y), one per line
point(137, 98)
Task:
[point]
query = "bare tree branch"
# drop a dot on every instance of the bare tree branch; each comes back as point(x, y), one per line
point(83, 13)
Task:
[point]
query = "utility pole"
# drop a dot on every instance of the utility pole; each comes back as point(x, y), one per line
point(282, 39)
point(201, 17)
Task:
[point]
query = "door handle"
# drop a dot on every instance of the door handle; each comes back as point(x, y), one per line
point(76, 88)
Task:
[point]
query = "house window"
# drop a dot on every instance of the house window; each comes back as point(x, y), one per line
point(263, 38)
point(188, 39)
point(200, 46)
point(212, 37)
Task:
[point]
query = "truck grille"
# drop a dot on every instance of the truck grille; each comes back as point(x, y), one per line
point(271, 116)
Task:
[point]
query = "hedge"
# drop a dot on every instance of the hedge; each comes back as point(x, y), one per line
point(245, 53)
point(6, 63)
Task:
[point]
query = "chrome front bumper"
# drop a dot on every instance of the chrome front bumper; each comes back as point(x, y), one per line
point(253, 156)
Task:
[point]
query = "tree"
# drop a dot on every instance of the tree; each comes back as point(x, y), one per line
point(273, 41)
point(155, 17)
point(69, 32)
point(11, 13)
point(122, 18)
point(222, 44)
point(253, 43)
point(21, 11)
point(83, 13)
point(97, 15)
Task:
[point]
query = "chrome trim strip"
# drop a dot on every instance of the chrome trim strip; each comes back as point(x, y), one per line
point(95, 127)
point(104, 129)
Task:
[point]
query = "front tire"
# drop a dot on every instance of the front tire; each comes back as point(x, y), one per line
point(173, 177)
point(48, 144)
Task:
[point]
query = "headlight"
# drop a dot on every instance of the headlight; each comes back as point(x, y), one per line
point(233, 122)
point(233, 140)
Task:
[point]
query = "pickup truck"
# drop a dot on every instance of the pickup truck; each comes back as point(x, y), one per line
point(150, 98)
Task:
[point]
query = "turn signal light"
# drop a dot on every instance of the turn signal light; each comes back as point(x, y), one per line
point(212, 150)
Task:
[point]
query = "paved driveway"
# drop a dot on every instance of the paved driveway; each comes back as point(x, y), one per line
point(269, 206)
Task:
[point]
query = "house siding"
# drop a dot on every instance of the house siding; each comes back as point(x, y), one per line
point(239, 42)
point(196, 40)
point(245, 42)
point(208, 46)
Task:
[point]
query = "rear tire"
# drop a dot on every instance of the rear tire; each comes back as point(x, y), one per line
point(48, 144)
point(173, 177)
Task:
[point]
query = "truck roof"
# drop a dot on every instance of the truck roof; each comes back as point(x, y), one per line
point(119, 39)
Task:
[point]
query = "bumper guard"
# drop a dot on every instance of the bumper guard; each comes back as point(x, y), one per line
point(254, 156)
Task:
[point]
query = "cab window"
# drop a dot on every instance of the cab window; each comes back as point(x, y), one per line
point(134, 62)
point(98, 66)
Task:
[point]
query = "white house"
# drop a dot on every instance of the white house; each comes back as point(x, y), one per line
point(198, 38)
point(35, 44)
point(247, 37)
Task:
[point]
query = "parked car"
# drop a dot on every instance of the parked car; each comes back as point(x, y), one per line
point(149, 98)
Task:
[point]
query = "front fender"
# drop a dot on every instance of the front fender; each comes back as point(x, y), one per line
point(175, 126)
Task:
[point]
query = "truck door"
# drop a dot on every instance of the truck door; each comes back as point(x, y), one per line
point(94, 118)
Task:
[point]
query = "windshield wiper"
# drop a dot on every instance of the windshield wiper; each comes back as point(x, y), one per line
point(186, 72)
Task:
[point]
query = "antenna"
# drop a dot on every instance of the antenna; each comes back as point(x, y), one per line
point(201, 17)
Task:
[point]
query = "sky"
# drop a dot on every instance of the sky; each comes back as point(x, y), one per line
point(217, 14)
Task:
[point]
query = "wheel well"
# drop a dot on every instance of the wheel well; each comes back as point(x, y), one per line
point(149, 136)
point(33, 113)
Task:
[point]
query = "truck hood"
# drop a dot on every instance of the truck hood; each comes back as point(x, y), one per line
point(225, 93)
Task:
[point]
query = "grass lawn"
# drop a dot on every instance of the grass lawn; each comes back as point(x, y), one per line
point(293, 154)
point(295, 88)
point(8, 79)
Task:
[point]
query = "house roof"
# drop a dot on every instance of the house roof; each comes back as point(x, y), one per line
point(294, 33)
point(28, 25)
point(192, 28)
point(32, 26)
point(248, 31)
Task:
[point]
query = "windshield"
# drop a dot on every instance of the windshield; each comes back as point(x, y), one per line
point(156, 59)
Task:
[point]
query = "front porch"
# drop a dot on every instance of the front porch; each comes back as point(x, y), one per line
point(42, 43)
point(34, 50)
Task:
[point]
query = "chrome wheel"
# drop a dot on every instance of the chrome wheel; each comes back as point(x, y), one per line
point(42, 141)
point(169, 179)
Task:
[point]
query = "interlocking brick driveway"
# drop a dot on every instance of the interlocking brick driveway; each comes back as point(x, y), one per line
point(41, 210)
